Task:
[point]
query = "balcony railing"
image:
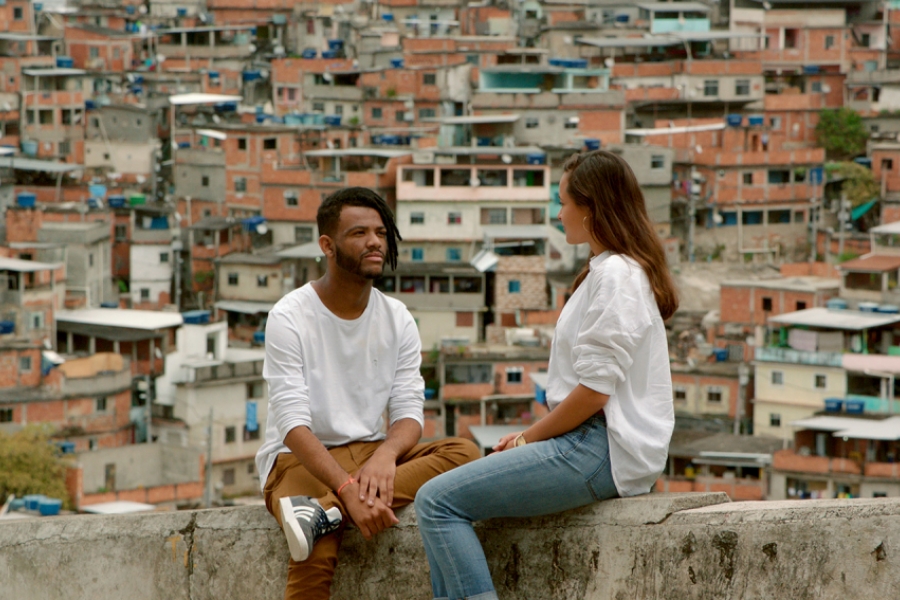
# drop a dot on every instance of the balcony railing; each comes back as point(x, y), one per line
point(789, 460)
point(228, 371)
point(799, 357)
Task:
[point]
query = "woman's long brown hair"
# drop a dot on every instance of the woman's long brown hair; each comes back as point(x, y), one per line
point(604, 183)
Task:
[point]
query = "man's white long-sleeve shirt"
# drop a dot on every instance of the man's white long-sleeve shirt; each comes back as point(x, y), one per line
point(338, 376)
point(611, 338)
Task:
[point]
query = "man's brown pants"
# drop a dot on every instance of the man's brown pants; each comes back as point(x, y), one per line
point(311, 579)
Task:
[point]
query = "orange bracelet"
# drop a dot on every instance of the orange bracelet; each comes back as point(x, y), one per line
point(345, 484)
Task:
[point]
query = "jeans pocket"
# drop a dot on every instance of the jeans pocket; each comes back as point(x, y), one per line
point(601, 482)
point(567, 442)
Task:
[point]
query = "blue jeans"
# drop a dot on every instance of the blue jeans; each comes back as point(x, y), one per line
point(541, 478)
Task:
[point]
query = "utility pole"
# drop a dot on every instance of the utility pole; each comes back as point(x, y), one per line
point(843, 217)
point(692, 216)
point(743, 380)
point(207, 472)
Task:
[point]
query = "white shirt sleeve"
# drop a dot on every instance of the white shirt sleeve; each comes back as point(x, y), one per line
point(613, 326)
point(408, 390)
point(283, 371)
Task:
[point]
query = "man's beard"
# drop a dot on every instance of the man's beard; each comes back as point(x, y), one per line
point(355, 265)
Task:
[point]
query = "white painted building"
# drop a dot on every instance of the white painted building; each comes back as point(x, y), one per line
point(151, 272)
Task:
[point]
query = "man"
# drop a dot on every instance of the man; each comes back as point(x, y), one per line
point(338, 353)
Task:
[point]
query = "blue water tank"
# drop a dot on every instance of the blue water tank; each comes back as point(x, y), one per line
point(734, 120)
point(38, 6)
point(109, 305)
point(591, 144)
point(184, 144)
point(130, 9)
point(836, 304)
point(577, 63)
point(308, 53)
point(855, 407)
point(889, 309)
point(29, 147)
point(397, 63)
point(834, 404)
point(226, 107)
point(335, 44)
point(329, 54)
point(756, 120)
point(64, 62)
point(621, 18)
point(181, 12)
point(7, 327)
point(49, 507)
point(811, 69)
point(117, 201)
point(536, 159)
point(89, 105)
point(195, 317)
point(333, 120)
point(430, 393)
point(721, 354)
point(389, 17)
point(556, 62)
point(251, 75)
point(868, 307)
point(259, 337)
point(26, 199)
point(32, 501)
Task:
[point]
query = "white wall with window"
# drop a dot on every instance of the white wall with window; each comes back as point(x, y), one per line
point(151, 270)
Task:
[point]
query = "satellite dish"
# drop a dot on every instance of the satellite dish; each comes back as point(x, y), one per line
point(140, 178)
point(251, 48)
point(261, 229)
point(160, 58)
point(717, 218)
point(328, 77)
point(506, 158)
point(474, 182)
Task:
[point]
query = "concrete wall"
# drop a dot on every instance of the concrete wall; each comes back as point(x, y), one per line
point(659, 546)
point(139, 465)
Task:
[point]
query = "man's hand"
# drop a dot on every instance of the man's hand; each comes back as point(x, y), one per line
point(371, 517)
point(376, 478)
point(507, 441)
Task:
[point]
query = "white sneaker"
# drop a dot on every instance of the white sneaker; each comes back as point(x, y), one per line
point(304, 521)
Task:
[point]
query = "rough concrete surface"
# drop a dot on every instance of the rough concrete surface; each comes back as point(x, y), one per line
point(661, 546)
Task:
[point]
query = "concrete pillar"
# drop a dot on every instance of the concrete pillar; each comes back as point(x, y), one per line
point(70, 345)
point(116, 347)
point(92, 345)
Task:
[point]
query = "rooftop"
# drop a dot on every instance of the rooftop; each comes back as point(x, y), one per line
point(147, 320)
point(849, 427)
point(872, 263)
point(26, 266)
point(848, 320)
point(793, 284)
point(244, 306)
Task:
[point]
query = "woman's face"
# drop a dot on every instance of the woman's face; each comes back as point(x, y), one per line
point(575, 219)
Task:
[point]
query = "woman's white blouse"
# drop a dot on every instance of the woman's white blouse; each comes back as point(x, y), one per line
point(611, 338)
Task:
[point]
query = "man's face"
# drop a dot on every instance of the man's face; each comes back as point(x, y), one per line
point(361, 242)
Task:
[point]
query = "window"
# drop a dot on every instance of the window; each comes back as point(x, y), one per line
point(679, 393)
point(255, 389)
point(400, 115)
point(262, 281)
point(303, 234)
point(714, 394)
point(657, 161)
point(454, 255)
point(429, 79)
point(270, 144)
point(477, 373)
point(318, 107)
point(865, 40)
point(232, 279)
point(454, 218)
point(291, 199)
point(376, 112)
point(121, 233)
point(829, 42)
point(532, 123)
point(887, 164)
point(230, 435)
point(820, 381)
point(100, 404)
point(748, 178)
point(514, 286)
point(204, 180)
point(211, 346)
point(417, 254)
point(417, 218)
point(145, 294)
point(45, 117)
point(338, 109)
point(250, 466)
point(228, 475)
point(801, 305)
point(774, 420)
point(711, 87)
point(777, 377)
point(790, 38)
point(465, 319)
point(571, 123)
point(493, 216)
point(242, 143)
point(472, 59)
point(240, 184)
point(816, 87)
point(25, 364)
point(426, 113)
point(250, 436)
point(767, 304)
point(63, 148)
point(6, 415)
point(779, 216)
point(17, 13)
point(775, 122)
point(742, 87)
point(36, 320)
point(466, 285)
point(514, 375)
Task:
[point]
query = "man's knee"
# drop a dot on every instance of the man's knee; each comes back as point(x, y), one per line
point(460, 450)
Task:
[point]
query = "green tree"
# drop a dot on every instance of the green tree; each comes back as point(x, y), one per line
point(842, 133)
point(859, 183)
point(30, 465)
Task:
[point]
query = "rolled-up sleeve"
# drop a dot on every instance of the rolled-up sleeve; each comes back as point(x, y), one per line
point(612, 328)
point(408, 391)
point(283, 371)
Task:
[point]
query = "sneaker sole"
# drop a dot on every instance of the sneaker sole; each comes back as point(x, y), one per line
point(295, 538)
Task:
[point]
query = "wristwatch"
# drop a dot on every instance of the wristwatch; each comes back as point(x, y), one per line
point(520, 440)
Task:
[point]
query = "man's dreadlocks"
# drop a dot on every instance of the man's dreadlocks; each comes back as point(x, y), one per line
point(329, 215)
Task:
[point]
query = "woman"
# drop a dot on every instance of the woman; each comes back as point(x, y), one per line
point(609, 363)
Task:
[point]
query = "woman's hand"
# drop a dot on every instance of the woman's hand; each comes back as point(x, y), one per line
point(507, 441)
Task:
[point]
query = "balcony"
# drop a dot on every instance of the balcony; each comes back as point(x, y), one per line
point(790, 460)
point(799, 357)
point(100, 374)
point(454, 302)
point(454, 183)
point(228, 371)
point(151, 236)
